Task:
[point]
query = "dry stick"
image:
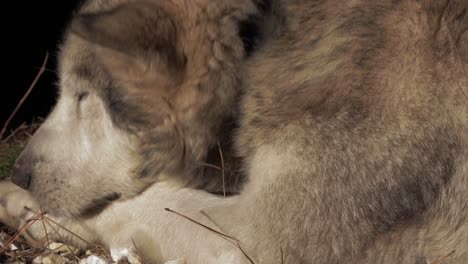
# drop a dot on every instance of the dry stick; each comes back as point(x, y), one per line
point(49, 221)
point(56, 231)
point(228, 238)
point(222, 166)
point(23, 229)
point(18, 106)
point(29, 134)
point(210, 166)
point(45, 231)
point(12, 134)
point(282, 255)
point(138, 253)
point(32, 253)
point(61, 226)
point(74, 234)
point(69, 231)
point(135, 246)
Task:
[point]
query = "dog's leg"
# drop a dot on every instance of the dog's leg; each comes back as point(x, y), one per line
point(141, 224)
point(18, 209)
point(160, 234)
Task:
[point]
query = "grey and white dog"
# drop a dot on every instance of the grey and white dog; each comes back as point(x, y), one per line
point(352, 131)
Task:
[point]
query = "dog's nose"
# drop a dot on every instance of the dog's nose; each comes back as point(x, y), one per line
point(22, 174)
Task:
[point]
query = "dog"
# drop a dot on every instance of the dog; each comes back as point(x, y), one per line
point(350, 124)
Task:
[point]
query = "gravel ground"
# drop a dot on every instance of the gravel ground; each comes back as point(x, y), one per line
point(19, 252)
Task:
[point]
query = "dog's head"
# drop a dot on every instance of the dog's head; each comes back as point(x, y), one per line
point(139, 80)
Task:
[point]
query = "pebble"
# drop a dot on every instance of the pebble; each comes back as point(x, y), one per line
point(60, 248)
point(119, 254)
point(37, 260)
point(93, 260)
point(50, 259)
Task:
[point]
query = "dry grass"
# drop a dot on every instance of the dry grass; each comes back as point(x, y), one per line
point(11, 147)
point(14, 248)
point(12, 144)
point(23, 253)
point(9, 151)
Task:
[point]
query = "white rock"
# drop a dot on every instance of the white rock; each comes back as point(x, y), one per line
point(47, 260)
point(13, 247)
point(60, 248)
point(53, 259)
point(133, 259)
point(93, 260)
point(122, 253)
point(37, 260)
point(119, 253)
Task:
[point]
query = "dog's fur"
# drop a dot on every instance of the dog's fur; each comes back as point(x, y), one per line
point(352, 129)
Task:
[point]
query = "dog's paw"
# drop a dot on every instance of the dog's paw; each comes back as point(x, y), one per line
point(19, 211)
point(16, 204)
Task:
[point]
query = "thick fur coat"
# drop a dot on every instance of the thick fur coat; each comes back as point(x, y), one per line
point(350, 124)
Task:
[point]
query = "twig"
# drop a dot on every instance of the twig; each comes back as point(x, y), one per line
point(228, 238)
point(69, 231)
point(42, 216)
point(12, 134)
point(210, 166)
point(62, 227)
point(137, 251)
point(45, 231)
point(20, 231)
point(48, 221)
point(282, 255)
point(198, 223)
point(56, 232)
point(222, 166)
point(25, 96)
point(75, 235)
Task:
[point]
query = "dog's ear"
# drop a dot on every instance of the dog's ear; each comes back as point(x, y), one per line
point(134, 36)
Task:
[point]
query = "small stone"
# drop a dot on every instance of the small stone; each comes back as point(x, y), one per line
point(124, 255)
point(119, 253)
point(13, 247)
point(133, 259)
point(37, 260)
point(93, 260)
point(53, 259)
point(63, 249)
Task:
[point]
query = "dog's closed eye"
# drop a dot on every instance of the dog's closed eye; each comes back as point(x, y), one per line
point(82, 96)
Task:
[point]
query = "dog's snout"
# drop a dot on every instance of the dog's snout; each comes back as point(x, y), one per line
point(22, 173)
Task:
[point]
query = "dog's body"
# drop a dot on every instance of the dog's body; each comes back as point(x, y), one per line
point(352, 130)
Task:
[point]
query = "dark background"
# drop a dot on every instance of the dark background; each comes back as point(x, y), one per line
point(30, 29)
